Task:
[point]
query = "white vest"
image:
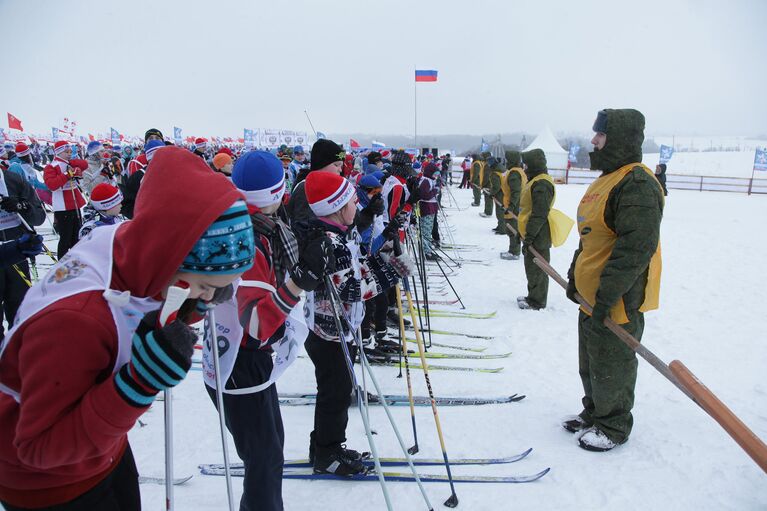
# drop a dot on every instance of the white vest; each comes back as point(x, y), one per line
point(7, 220)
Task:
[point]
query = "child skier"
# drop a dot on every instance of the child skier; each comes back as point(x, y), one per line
point(356, 279)
point(80, 365)
point(104, 208)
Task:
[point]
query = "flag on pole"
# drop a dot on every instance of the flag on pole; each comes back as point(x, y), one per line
point(177, 135)
point(666, 152)
point(760, 159)
point(484, 146)
point(377, 145)
point(115, 136)
point(425, 75)
point(354, 144)
point(572, 156)
point(14, 122)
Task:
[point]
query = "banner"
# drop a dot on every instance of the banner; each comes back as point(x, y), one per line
point(177, 138)
point(301, 138)
point(270, 138)
point(760, 159)
point(572, 156)
point(287, 137)
point(666, 152)
point(250, 138)
point(115, 137)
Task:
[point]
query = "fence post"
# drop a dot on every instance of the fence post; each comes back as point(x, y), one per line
point(567, 173)
point(701, 183)
point(750, 184)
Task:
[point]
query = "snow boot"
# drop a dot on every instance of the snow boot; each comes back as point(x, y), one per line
point(432, 257)
point(593, 439)
point(525, 305)
point(475, 204)
point(392, 317)
point(483, 215)
point(574, 423)
point(508, 256)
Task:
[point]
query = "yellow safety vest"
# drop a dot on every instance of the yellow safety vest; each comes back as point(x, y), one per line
point(507, 189)
point(559, 223)
point(481, 166)
point(598, 242)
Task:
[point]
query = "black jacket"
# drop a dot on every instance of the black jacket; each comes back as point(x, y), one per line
point(34, 215)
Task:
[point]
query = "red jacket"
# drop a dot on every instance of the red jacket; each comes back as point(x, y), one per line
point(138, 163)
point(59, 177)
point(70, 427)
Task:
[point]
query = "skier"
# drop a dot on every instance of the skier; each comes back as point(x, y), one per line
point(356, 279)
point(19, 250)
point(660, 175)
point(223, 163)
point(534, 208)
point(447, 168)
point(103, 209)
point(80, 365)
point(616, 269)
point(265, 298)
point(201, 148)
point(466, 168)
point(512, 184)
point(298, 163)
point(61, 177)
point(428, 189)
point(96, 159)
point(133, 184)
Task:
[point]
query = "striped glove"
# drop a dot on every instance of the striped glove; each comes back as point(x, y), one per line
point(161, 358)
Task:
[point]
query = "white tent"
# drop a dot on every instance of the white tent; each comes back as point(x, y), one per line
point(556, 157)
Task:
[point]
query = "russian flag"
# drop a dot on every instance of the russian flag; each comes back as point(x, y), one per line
point(425, 75)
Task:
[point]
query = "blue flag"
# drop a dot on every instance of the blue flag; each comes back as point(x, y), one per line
point(666, 152)
point(177, 135)
point(249, 137)
point(760, 159)
point(484, 146)
point(55, 134)
point(115, 137)
point(572, 156)
point(2, 135)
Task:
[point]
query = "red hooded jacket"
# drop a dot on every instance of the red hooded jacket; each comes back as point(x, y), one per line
point(70, 429)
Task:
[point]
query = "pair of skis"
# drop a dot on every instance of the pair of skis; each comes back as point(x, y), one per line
point(402, 400)
point(302, 469)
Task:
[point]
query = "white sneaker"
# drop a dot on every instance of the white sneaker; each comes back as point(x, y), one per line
point(593, 439)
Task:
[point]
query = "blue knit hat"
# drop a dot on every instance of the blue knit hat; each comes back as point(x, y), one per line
point(94, 147)
point(379, 174)
point(151, 147)
point(226, 247)
point(260, 177)
point(369, 181)
point(298, 150)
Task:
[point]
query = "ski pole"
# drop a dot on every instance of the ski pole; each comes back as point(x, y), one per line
point(338, 309)
point(403, 351)
point(340, 313)
point(220, 405)
point(452, 501)
point(675, 372)
point(173, 301)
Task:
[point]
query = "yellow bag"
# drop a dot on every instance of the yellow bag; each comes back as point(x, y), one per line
point(560, 226)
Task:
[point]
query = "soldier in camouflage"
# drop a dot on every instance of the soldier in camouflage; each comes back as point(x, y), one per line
point(515, 181)
point(496, 193)
point(617, 269)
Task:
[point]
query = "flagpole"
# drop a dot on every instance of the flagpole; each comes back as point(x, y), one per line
point(415, 116)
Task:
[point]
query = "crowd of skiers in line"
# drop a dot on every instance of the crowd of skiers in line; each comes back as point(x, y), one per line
point(246, 234)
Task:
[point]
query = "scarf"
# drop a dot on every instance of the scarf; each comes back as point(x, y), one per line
point(281, 238)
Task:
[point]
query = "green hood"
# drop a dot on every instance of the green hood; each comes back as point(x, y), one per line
point(513, 159)
point(535, 161)
point(625, 134)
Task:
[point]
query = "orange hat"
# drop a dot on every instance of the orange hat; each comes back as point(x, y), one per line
point(221, 160)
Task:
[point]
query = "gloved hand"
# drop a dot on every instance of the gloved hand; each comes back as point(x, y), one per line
point(375, 207)
point(412, 187)
point(391, 231)
point(161, 358)
point(30, 244)
point(316, 260)
point(13, 204)
point(571, 290)
point(599, 313)
point(195, 309)
point(403, 265)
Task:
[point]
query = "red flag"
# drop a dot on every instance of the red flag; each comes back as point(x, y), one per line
point(241, 140)
point(91, 137)
point(14, 122)
point(354, 144)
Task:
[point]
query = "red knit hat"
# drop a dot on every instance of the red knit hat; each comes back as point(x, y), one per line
point(200, 142)
point(105, 196)
point(327, 192)
point(60, 146)
point(21, 149)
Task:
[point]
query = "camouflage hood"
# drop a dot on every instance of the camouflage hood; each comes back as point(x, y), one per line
point(513, 159)
point(535, 161)
point(625, 133)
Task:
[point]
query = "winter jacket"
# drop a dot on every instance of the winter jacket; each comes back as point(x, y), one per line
point(70, 426)
point(374, 276)
point(428, 190)
point(298, 210)
point(130, 192)
point(28, 172)
point(93, 218)
point(18, 187)
point(59, 177)
point(93, 176)
point(138, 163)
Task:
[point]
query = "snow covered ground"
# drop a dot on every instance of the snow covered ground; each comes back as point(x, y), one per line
point(712, 318)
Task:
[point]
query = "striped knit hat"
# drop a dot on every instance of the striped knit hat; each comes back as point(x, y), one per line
point(105, 196)
point(260, 177)
point(21, 149)
point(201, 143)
point(327, 192)
point(152, 147)
point(226, 247)
point(60, 146)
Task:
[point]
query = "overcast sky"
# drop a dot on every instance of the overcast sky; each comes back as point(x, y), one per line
point(213, 68)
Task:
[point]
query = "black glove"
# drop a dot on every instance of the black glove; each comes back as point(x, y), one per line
point(571, 290)
point(412, 188)
point(375, 207)
point(30, 244)
point(13, 204)
point(315, 261)
point(391, 231)
point(161, 358)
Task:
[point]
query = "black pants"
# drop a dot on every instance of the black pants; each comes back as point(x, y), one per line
point(117, 492)
point(255, 423)
point(12, 291)
point(68, 225)
point(334, 389)
point(375, 315)
point(465, 179)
